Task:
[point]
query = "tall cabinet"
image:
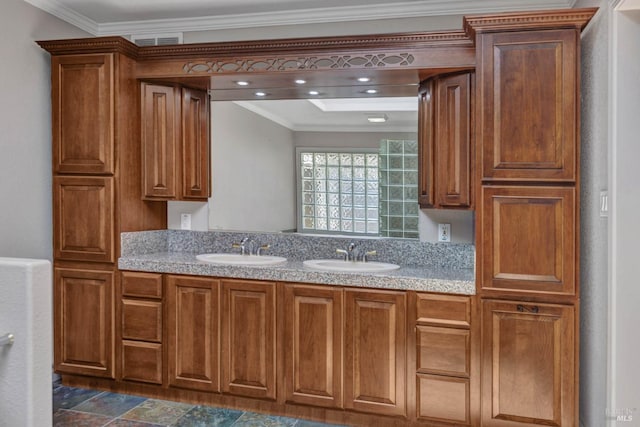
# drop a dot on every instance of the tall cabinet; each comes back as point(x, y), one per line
point(96, 196)
point(527, 233)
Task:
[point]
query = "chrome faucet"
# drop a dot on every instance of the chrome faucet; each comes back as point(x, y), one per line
point(367, 254)
point(262, 248)
point(349, 253)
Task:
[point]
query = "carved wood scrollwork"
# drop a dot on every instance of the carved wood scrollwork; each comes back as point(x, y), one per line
point(309, 63)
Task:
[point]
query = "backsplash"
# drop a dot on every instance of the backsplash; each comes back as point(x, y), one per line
point(299, 247)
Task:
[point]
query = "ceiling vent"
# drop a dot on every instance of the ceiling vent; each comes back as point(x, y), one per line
point(157, 39)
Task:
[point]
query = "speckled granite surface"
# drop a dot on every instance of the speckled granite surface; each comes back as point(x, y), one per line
point(446, 268)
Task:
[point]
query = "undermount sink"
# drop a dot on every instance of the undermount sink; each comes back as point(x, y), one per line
point(339, 265)
point(241, 260)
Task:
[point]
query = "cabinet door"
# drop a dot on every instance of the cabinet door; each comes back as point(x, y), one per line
point(313, 345)
point(249, 338)
point(453, 141)
point(426, 144)
point(195, 145)
point(82, 94)
point(375, 352)
point(160, 133)
point(528, 240)
point(528, 113)
point(192, 312)
point(528, 364)
point(84, 318)
point(83, 218)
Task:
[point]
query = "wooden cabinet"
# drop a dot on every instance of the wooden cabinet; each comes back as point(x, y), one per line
point(528, 239)
point(175, 143)
point(529, 100)
point(84, 324)
point(529, 364)
point(83, 218)
point(443, 358)
point(445, 141)
point(313, 345)
point(82, 116)
point(249, 338)
point(375, 352)
point(192, 337)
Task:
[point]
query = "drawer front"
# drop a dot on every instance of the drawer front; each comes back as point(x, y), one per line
point(443, 399)
point(442, 350)
point(147, 285)
point(446, 310)
point(142, 320)
point(142, 361)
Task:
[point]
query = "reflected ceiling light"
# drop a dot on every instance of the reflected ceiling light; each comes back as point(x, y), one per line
point(314, 92)
point(371, 91)
point(260, 94)
point(242, 83)
point(377, 118)
point(364, 79)
point(300, 81)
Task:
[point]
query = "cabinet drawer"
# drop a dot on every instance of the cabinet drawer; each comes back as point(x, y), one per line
point(142, 361)
point(442, 350)
point(447, 310)
point(443, 399)
point(142, 320)
point(147, 285)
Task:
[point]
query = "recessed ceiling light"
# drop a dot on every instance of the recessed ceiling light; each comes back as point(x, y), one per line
point(314, 92)
point(364, 79)
point(300, 81)
point(371, 91)
point(260, 94)
point(377, 118)
point(242, 83)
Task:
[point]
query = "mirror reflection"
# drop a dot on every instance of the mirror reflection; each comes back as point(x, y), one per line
point(341, 166)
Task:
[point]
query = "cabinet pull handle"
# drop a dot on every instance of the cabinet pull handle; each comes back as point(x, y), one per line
point(521, 308)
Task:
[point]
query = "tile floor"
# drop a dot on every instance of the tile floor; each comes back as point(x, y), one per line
point(77, 407)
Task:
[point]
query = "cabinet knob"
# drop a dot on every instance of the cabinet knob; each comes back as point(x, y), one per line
point(533, 309)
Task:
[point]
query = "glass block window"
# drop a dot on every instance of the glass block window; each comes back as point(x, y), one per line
point(399, 188)
point(339, 192)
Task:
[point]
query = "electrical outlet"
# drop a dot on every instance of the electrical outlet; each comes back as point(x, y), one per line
point(185, 221)
point(444, 232)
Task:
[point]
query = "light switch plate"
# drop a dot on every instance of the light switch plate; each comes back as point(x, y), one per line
point(604, 204)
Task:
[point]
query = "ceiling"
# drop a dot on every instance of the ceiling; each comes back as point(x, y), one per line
point(126, 17)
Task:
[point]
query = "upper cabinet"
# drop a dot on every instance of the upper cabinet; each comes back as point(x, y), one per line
point(528, 105)
point(445, 118)
point(82, 113)
point(175, 143)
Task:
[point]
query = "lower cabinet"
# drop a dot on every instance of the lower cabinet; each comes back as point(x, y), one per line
point(193, 324)
point(83, 312)
point(249, 338)
point(375, 351)
point(313, 344)
point(528, 364)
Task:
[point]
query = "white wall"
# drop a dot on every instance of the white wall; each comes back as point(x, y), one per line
point(25, 120)
point(625, 204)
point(593, 228)
point(252, 165)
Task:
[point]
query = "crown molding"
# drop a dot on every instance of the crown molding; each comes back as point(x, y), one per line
point(406, 9)
point(68, 15)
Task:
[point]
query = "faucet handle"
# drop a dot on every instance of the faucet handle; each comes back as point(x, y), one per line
point(343, 252)
point(368, 254)
point(262, 248)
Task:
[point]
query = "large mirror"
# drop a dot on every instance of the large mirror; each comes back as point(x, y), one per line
point(315, 166)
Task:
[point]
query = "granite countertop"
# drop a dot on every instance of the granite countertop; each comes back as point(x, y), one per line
point(430, 279)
